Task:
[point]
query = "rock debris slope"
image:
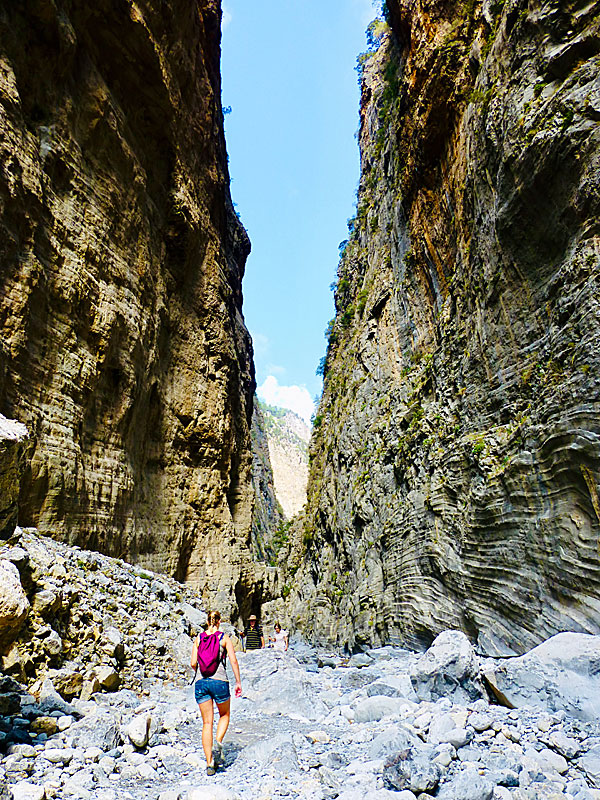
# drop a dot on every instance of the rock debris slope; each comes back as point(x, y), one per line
point(455, 464)
point(122, 344)
point(88, 621)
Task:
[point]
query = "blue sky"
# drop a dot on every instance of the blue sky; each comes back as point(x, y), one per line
point(289, 77)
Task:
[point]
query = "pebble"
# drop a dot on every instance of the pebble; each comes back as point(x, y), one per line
point(321, 737)
point(480, 721)
point(58, 755)
point(23, 790)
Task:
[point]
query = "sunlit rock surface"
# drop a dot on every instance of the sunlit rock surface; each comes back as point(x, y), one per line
point(13, 445)
point(288, 436)
point(268, 514)
point(122, 344)
point(454, 473)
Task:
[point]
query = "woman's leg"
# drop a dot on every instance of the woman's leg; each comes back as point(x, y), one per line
point(223, 723)
point(208, 714)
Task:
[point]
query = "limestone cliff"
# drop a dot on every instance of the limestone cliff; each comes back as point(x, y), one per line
point(268, 517)
point(455, 465)
point(122, 343)
point(287, 436)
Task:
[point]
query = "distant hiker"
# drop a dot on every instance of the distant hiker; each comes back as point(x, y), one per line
point(253, 635)
point(280, 640)
point(209, 655)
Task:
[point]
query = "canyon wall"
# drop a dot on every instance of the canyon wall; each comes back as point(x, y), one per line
point(455, 461)
point(268, 517)
point(288, 437)
point(122, 343)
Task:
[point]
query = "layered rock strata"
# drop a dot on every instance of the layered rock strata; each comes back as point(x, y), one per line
point(455, 465)
point(122, 343)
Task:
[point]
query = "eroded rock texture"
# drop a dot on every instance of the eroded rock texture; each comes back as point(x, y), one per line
point(122, 344)
point(454, 477)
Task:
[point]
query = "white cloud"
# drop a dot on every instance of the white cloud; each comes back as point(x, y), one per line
point(227, 17)
point(296, 398)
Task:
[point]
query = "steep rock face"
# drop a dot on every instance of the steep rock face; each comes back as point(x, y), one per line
point(454, 472)
point(122, 344)
point(288, 437)
point(268, 516)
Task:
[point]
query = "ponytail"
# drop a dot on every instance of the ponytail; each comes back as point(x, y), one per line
point(213, 618)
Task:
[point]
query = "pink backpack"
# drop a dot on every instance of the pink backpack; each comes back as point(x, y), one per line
point(209, 653)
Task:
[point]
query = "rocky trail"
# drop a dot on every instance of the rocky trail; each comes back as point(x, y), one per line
point(116, 721)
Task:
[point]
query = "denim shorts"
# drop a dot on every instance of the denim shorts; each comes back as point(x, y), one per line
point(209, 688)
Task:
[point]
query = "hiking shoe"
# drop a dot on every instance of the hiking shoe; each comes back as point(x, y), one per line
point(217, 753)
point(210, 770)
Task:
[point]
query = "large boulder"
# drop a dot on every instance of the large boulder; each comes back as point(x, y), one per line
point(100, 729)
point(450, 668)
point(14, 604)
point(13, 437)
point(412, 769)
point(560, 673)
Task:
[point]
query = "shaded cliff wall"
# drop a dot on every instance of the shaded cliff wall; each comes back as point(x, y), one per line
point(454, 468)
point(123, 347)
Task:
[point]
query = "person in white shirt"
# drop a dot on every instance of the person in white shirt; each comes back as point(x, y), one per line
point(280, 640)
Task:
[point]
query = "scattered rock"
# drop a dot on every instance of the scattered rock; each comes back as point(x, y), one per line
point(23, 790)
point(211, 793)
point(45, 603)
point(138, 730)
point(378, 707)
point(89, 688)
point(467, 785)
point(47, 725)
point(67, 682)
point(412, 769)
point(108, 678)
point(98, 729)
point(14, 605)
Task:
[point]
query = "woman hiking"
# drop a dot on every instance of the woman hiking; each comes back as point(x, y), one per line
point(210, 655)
